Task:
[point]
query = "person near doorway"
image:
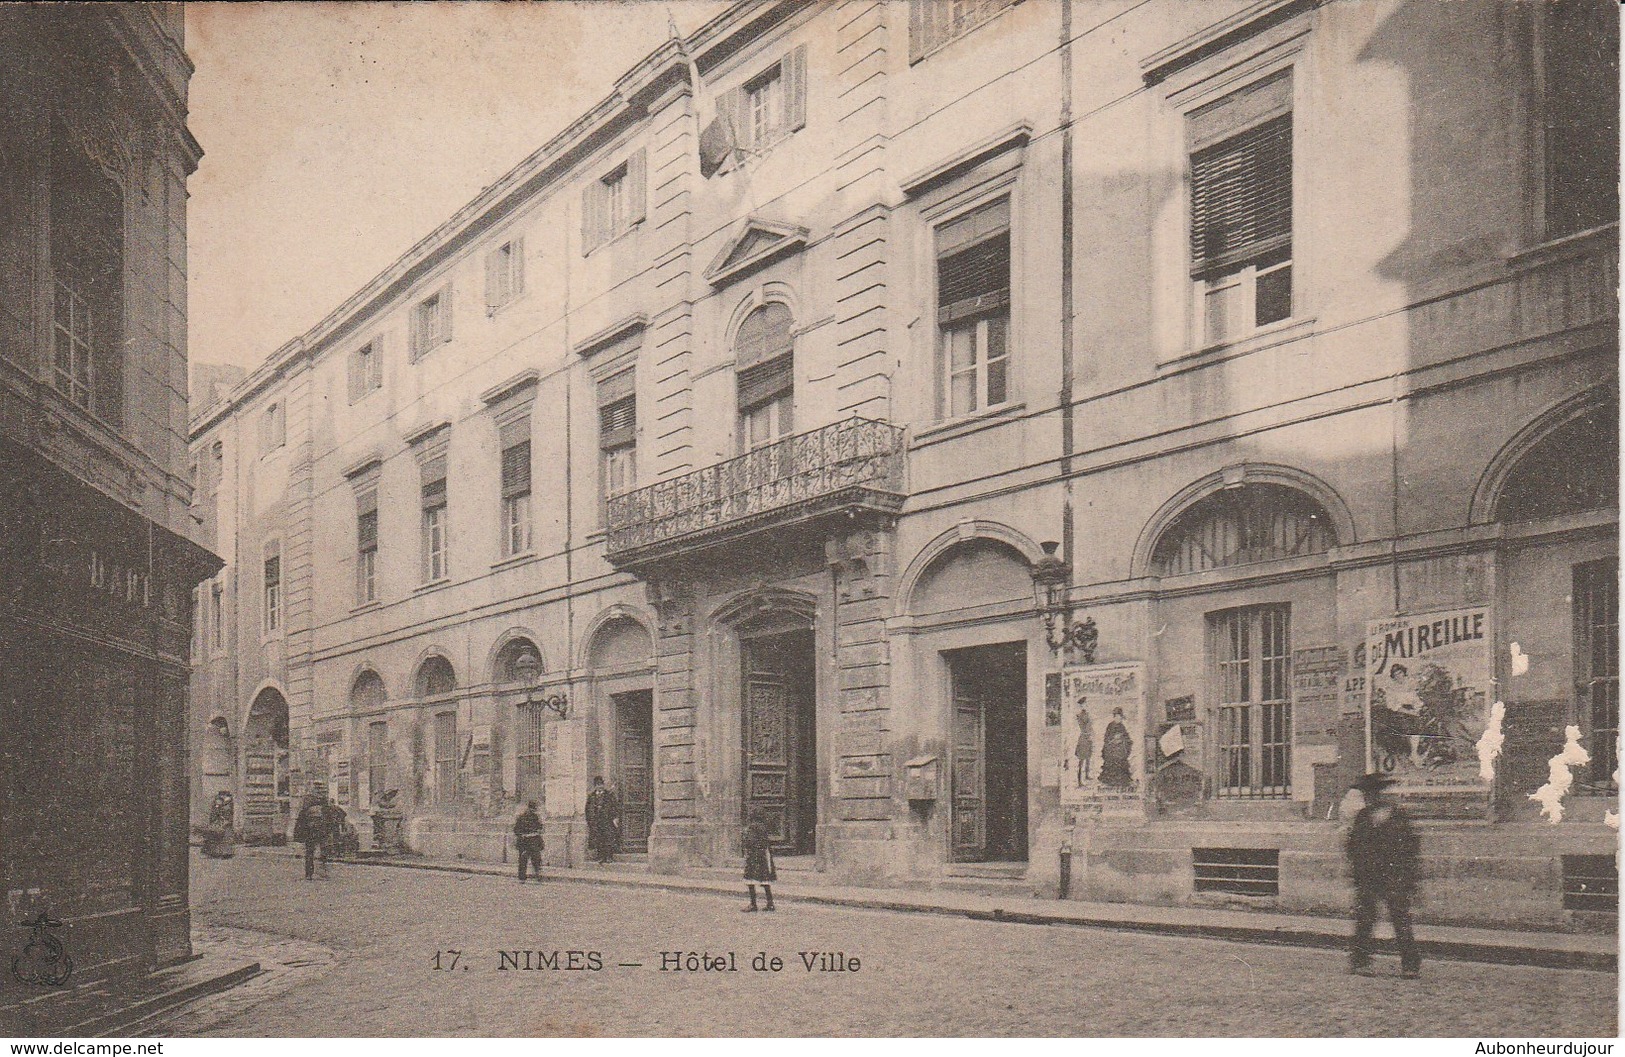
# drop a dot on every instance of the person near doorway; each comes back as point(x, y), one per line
point(219, 838)
point(1115, 750)
point(1085, 749)
point(310, 829)
point(1384, 856)
point(527, 840)
point(603, 822)
point(759, 867)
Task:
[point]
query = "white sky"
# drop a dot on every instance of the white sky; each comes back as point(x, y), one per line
point(338, 134)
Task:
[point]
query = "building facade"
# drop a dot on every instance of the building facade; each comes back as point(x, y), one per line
point(96, 552)
point(981, 440)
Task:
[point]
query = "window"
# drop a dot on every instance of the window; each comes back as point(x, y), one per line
point(217, 614)
point(432, 472)
point(933, 23)
point(1240, 526)
point(431, 322)
point(366, 546)
point(1241, 209)
point(613, 203)
point(273, 428)
point(200, 618)
point(87, 265)
point(514, 438)
point(1581, 100)
point(273, 593)
point(445, 756)
point(766, 108)
point(377, 759)
point(504, 273)
point(765, 366)
point(1250, 652)
point(973, 309)
point(1596, 667)
point(366, 369)
point(618, 433)
point(764, 105)
point(530, 772)
point(1549, 481)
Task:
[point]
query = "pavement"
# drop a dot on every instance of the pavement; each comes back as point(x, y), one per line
point(1559, 950)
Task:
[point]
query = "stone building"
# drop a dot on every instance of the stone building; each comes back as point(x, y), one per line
point(819, 424)
point(94, 549)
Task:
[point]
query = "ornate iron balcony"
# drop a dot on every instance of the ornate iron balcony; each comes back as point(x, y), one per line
point(856, 464)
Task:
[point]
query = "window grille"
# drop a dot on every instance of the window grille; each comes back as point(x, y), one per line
point(1240, 526)
point(1596, 667)
point(1239, 871)
point(1251, 652)
point(377, 759)
point(1591, 882)
point(445, 756)
point(531, 770)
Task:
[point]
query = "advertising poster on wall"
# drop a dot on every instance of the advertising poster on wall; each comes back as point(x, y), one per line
point(1428, 684)
point(1103, 717)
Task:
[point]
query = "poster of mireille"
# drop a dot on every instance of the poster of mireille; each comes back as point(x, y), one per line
point(1428, 684)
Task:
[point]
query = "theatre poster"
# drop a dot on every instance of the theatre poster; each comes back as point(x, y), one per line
point(1428, 688)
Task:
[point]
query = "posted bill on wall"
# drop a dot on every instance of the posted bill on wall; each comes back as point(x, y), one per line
point(1428, 685)
point(1103, 716)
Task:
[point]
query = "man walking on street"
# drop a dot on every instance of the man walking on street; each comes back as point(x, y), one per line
point(527, 840)
point(603, 822)
point(1384, 856)
point(310, 828)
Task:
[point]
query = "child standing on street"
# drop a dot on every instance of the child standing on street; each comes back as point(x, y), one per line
point(758, 862)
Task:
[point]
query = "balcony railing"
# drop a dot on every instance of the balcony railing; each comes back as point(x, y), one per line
point(854, 463)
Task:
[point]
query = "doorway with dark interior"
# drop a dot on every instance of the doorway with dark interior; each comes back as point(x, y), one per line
point(634, 766)
point(778, 736)
point(988, 753)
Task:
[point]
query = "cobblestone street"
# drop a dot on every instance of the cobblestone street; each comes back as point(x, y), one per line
point(918, 975)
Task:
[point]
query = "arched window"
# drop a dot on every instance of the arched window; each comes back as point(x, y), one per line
point(506, 670)
point(1574, 468)
point(368, 692)
point(1240, 526)
point(436, 677)
point(765, 368)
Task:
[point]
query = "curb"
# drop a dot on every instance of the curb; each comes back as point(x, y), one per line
point(127, 1016)
point(1285, 936)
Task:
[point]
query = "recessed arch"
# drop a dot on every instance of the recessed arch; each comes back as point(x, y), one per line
point(754, 298)
point(762, 605)
point(367, 690)
point(613, 614)
point(505, 650)
point(1525, 466)
point(1018, 541)
point(1317, 497)
point(435, 677)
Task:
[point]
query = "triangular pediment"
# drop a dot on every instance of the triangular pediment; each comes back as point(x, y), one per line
point(753, 244)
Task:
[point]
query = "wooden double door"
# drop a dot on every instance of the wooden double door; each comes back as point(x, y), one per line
point(988, 764)
point(779, 742)
point(634, 766)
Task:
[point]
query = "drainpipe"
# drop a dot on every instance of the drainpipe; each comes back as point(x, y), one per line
point(1068, 538)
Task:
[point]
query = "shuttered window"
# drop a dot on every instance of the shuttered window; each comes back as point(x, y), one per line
point(366, 369)
point(1241, 208)
point(613, 203)
point(764, 356)
point(504, 273)
point(273, 428)
point(366, 532)
point(273, 592)
point(431, 322)
point(759, 113)
point(618, 432)
point(433, 477)
point(973, 309)
point(933, 23)
point(515, 442)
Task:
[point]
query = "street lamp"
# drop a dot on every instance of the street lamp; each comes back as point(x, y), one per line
point(1052, 577)
point(528, 667)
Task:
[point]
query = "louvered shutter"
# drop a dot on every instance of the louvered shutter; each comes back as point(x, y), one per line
point(375, 363)
point(444, 316)
point(516, 267)
point(766, 380)
point(973, 262)
point(414, 332)
point(367, 520)
point(358, 382)
point(637, 190)
point(515, 442)
point(1241, 177)
point(795, 88)
point(617, 411)
point(592, 224)
point(494, 296)
point(922, 17)
point(433, 476)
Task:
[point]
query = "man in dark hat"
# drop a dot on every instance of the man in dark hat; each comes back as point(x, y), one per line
point(1384, 854)
point(527, 840)
point(603, 822)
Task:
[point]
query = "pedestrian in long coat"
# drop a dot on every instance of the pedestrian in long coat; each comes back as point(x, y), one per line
point(527, 840)
point(603, 822)
point(1384, 856)
point(759, 868)
point(310, 829)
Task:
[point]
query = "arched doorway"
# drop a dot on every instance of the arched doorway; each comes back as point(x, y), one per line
point(267, 804)
point(621, 658)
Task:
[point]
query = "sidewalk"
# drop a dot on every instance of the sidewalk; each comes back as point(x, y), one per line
point(1560, 950)
point(114, 1006)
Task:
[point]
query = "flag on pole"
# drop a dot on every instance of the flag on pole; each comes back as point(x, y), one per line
point(718, 143)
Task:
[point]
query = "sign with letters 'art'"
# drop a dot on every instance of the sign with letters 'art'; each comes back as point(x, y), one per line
point(1428, 682)
point(1103, 716)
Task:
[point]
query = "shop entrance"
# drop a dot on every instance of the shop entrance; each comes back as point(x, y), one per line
point(989, 753)
point(266, 797)
point(634, 766)
point(779, 738)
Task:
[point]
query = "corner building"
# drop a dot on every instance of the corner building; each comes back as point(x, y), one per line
point(786, 434)
point(96, 554)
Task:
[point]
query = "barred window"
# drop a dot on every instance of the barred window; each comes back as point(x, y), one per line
point(1596, 667)
point(445, 757)
point(1239, 526)
point(1250, 653)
